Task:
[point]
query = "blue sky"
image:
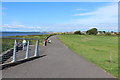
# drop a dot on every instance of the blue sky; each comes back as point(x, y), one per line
point(59, 16)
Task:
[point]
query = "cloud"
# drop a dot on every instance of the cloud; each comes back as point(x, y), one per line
point(8, 27)
point(84, 27)
point(84, 14)
point(19, 26)
point(110, 10)
point(106, 16)
point(80, 9)
point(12, 26)
point(103, 18)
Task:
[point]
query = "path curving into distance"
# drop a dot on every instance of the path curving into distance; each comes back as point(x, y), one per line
point(59, 62)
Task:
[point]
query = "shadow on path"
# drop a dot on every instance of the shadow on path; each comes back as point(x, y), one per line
point(20, 62)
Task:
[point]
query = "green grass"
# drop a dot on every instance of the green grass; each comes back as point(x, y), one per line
point(95, 49)
point(8, 43)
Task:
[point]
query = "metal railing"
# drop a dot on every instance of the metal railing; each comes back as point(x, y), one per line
point(27, 56)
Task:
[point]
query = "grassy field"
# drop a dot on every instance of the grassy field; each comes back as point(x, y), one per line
point(96, 49)
point(8, 43)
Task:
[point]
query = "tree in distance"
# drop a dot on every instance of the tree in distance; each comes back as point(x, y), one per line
point(77, 32)
point(92, 31)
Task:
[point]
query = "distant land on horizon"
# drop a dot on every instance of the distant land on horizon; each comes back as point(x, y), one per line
point(22, 33)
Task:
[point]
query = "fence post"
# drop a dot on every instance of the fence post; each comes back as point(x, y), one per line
point(36, 48)
point(27, 51)
point(14, 52)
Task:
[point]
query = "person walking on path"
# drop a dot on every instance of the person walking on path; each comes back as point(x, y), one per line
point(45, 42)
point(24, 44)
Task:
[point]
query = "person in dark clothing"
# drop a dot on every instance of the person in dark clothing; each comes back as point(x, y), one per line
point(45, 42)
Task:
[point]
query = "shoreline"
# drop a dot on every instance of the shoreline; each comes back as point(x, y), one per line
point(8, 43)
point(21, 33)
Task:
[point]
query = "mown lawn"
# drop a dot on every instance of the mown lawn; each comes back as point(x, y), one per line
point(96, 49)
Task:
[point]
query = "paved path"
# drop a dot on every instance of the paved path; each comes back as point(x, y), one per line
point(60, 62)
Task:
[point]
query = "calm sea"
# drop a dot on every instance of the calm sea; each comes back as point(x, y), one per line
point(21, 33)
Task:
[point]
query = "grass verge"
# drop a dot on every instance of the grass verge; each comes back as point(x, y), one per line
point(96, 49)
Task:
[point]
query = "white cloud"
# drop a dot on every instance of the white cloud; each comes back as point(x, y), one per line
point(84, 14)
point(106, 16)
point(80, 9)
point(110, 10)
point(18, 26)
point(12, 26)
point(8, 27)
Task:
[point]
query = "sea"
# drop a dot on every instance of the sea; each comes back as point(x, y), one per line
point(21, 33)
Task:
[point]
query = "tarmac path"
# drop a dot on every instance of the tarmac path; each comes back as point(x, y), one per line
point(59, 62)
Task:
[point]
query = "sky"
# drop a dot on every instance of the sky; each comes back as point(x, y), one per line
point(59, 16)
point(60, 0)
